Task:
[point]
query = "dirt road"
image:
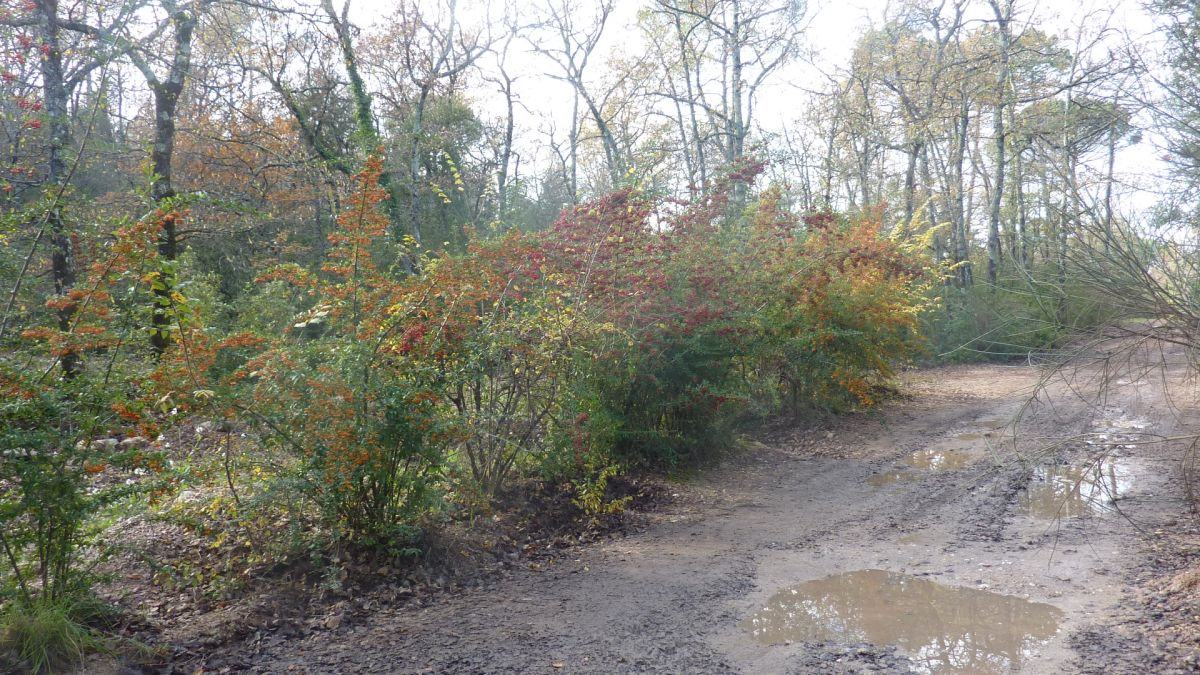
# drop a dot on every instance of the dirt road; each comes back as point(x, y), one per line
point(907, 539)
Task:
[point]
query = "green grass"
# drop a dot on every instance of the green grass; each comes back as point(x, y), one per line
point(45, 636)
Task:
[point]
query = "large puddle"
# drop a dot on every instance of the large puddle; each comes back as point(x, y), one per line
point(942, 628)
point(1066, 491)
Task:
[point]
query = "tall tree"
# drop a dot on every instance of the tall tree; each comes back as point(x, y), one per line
point(1003, 12)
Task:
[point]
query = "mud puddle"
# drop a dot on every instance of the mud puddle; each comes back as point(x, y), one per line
point(961, 452)
point(1124, 423)
point(1070, 490)
point(941, 628)
point(889, 477)
point(1119, 428)
point(951, 459)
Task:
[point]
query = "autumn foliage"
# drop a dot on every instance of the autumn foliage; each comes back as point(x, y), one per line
point(634, 332)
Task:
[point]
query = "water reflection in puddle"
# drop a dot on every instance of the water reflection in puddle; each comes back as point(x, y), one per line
point(887, 478)
point(1123, 424)
point(941, 628)
point(930, 460)
point(940, 460)
point(1067, 491)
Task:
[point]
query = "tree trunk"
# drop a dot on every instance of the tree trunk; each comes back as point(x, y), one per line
point(505, 154)
point(414, 166)
point(827, 174)
point(962, 232)
point(368, 134)
point(363, 116)
point(162, 190)
point(738, 140)
point(1022, 211)
point(737, 130)
point(1003, 16)
point(58, 133)
point(910, 183)
point(1108, 183)
point(932, 213)
point(612, 153)
point(574, 141)
point(685, 67)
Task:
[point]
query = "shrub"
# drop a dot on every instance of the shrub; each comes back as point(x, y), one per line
point(665, 376)
point(492, 336)
point(363, 437)
point(702, 321)
point(841, 305)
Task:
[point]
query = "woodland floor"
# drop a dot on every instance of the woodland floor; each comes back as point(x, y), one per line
point(800, 504)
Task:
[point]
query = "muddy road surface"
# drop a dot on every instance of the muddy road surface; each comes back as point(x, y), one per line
point(925, 536)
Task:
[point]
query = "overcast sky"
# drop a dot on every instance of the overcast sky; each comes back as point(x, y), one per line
point(831, 28)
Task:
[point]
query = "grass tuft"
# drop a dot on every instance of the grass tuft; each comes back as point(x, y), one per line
point(44, 636)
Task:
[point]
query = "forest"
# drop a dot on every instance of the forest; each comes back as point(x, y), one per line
point(317, 316)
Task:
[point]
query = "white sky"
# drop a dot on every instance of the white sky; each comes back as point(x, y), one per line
point(832, 28)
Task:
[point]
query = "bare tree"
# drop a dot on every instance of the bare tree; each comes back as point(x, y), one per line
point(756, 38)
point(571, 48)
